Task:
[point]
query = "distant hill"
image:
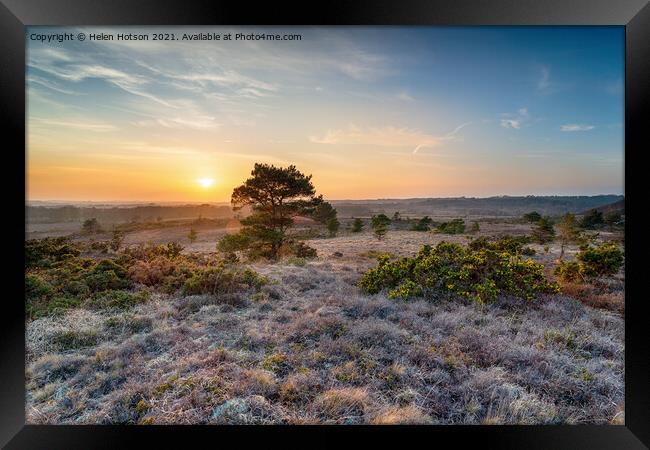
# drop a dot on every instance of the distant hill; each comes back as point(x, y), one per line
point(617, 207)
point(124, 213)
point(505, 206)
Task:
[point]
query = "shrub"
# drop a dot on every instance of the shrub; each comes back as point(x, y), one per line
point(380, 230)
point(475, 227)
point(231, 243)
point(299, 249)
point(100, 246)
point(527, 251)
point(45, 252)
point(613, 218)
point(221, 279)
point(422, 224)
point(593, 219)
point(480, 274)
point(192, 235)
point(379, 224)
point(543, 232)
point(532, 217)
point(357, 225)
point(91, 226)
point(149, 251)
point(605, 259)
point(36, 287)
point(107, 275)
point(116, 240)
point(510, 244)
point(333, 225)
point(567, 271)
point(456, 226)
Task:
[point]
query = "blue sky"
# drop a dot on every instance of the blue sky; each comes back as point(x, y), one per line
point(371, 112)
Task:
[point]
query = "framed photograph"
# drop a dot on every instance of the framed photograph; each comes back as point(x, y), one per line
point(378, 218)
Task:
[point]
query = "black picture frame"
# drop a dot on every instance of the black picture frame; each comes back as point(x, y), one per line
point(15, 15)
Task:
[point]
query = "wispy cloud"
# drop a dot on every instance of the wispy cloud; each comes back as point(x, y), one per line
point(79, 125)
point(387, 136)
point(576, 127)
point(515, 121)
point(511, 123)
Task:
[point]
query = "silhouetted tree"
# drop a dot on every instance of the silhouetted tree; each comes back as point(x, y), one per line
point(275, 195)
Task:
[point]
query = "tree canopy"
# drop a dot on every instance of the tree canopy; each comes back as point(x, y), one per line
point(275, 195)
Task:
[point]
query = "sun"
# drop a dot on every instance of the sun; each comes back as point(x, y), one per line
point(205, 182)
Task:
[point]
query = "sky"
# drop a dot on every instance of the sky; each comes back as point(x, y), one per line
point(370, 112)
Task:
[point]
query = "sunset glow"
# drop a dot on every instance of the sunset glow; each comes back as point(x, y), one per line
point(369, 112)
point(205, 182)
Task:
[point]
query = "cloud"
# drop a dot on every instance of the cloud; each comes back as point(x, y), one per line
point(388, 136)
point(515, 121)
point(511, 123)
point(576, 127)
point(88, 126)
point(195, 123)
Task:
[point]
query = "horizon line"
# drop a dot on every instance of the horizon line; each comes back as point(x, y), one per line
point(191, 202)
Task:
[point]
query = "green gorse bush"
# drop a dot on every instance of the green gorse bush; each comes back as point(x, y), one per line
point(480, 274)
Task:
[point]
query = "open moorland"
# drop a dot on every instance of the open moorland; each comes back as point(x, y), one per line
point(143, 320)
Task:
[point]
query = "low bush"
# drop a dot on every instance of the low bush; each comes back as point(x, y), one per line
point(568, 271)
point(422, 224)
point(222, 279)
point(510, 244)
point(45, 252)
point(605, 259)
point(479, 274)
point(456, 226)
point(107, 275)
point(60, 279)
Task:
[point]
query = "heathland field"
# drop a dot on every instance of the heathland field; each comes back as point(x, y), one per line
point(151, 324)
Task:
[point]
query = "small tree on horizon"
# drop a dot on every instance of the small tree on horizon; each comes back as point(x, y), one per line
point(333, 225)
point(357, 225)
point(379, 225)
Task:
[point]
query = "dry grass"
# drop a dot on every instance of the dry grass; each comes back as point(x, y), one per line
point(310, 348)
